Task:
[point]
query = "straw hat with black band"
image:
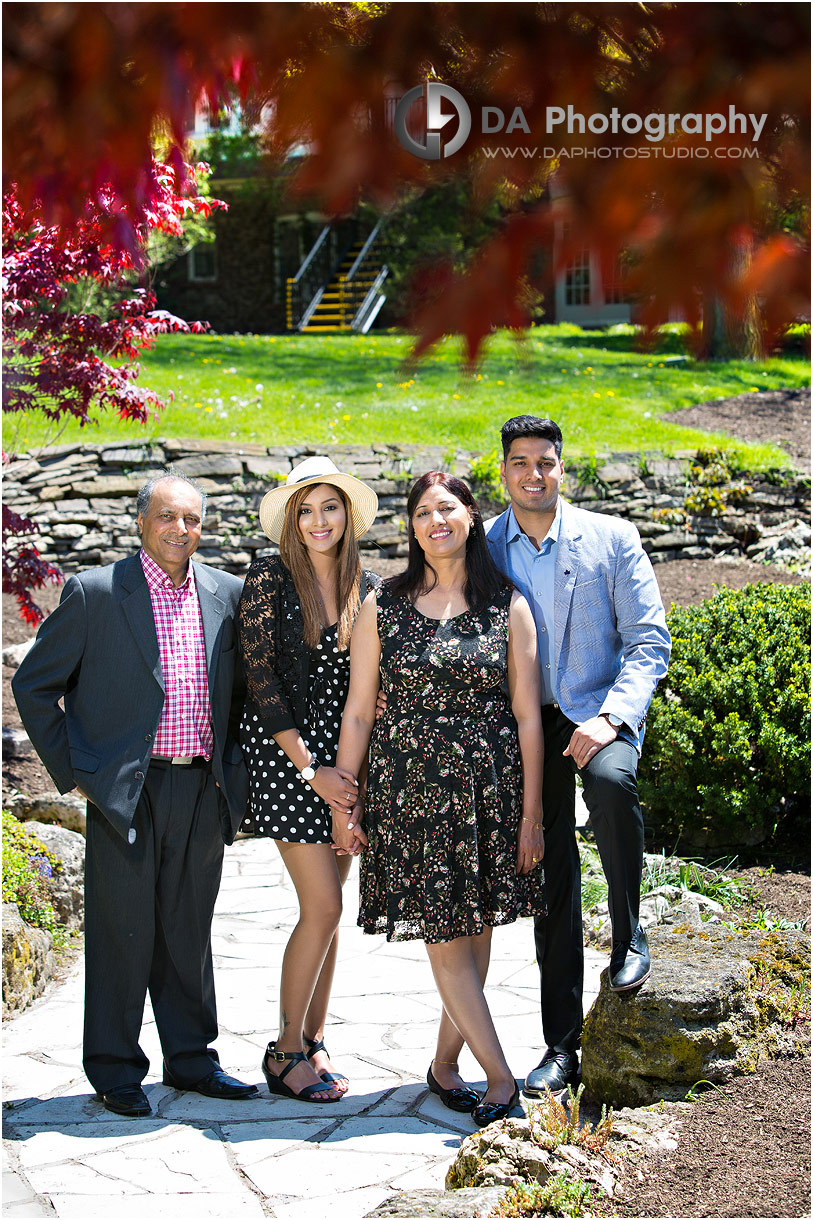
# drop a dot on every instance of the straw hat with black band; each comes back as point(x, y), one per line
point(361, 499)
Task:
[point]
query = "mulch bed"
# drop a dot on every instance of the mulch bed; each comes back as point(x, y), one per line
point(744, 1150)
point(780, 417)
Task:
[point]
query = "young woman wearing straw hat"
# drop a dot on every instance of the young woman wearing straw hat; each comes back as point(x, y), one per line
point(296, 615)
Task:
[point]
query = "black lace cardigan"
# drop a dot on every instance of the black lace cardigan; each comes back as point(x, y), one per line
point(275, 655)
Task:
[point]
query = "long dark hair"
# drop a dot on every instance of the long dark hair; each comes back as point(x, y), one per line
point(484, 580)
point(295, 556)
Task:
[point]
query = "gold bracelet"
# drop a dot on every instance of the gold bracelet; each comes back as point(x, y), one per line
point(533, 821)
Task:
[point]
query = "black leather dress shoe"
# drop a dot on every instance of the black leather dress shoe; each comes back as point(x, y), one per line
point(127, 1099)
point(557, 1070)
point(629, 964)
point(216, 1084)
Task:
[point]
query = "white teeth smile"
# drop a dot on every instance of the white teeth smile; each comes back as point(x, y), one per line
point(534, 489)
point(441, 534)
point(321, 534)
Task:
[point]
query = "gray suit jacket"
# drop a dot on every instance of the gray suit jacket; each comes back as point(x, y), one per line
point(99, 651)
point(610, 636)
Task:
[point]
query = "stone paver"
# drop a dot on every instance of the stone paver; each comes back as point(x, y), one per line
point(65, 1155)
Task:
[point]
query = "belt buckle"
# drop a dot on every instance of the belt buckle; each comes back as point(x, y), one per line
point(183, 760)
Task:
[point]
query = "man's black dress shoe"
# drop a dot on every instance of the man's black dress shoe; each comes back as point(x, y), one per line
point(127, 1099)
point(629, 963)
point(491, 1111)
point(557, 1070)
point(216, 1084)
point(462, 1099)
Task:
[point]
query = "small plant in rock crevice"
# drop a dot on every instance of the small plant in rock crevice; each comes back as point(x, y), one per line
point(484, 473)
point(562, 1195)
point(551, 1123)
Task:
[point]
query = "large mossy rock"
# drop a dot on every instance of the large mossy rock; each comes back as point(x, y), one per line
point(712, 1008)
point(28, 960)
point(68, 883)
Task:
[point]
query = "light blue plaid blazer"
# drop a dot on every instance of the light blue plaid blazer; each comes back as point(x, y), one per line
point(610, 636)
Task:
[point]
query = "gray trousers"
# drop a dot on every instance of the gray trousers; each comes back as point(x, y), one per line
point(610, 783)
point(148, 918)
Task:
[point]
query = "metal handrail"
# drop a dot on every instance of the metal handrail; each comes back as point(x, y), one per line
point(362, 254)
point(374, 297)
point(304, 288)
point(321, 239)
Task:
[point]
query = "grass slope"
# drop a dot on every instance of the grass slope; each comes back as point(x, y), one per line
point(280, 389)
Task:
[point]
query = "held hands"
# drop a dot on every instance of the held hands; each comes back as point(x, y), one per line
point(348, 837)
point(589, 738)
point(339, 789)
point(530, 842)
point(380, 704)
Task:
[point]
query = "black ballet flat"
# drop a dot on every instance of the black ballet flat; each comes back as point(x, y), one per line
point(463, 1100)
point(491, 1112)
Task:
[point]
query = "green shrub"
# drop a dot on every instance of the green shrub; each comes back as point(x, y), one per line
point(487, 485)
point(27, 869)
point(728, 745)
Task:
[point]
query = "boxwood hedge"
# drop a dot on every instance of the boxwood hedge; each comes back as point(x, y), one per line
point(727, 751)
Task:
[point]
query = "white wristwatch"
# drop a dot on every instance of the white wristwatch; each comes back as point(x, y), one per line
point(614, 720)
point(307, 773)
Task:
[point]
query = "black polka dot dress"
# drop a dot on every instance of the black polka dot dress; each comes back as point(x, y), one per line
point(283, 806)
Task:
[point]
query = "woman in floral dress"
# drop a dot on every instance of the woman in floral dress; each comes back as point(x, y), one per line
point(453, 811)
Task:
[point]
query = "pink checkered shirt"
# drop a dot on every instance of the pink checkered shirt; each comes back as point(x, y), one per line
point(185, 727)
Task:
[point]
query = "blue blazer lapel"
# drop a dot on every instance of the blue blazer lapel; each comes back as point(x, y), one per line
point(137, 608)
point(567, 567)
point(212, 607)
point(497, 541)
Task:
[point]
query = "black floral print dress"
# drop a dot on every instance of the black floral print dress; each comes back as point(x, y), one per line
point(445, 780)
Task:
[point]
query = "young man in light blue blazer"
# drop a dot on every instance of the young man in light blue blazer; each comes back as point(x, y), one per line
point(603, 646)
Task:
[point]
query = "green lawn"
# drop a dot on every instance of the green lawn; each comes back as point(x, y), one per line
point(606, 395)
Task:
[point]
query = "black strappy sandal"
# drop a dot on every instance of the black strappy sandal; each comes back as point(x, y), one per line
point(318, 1044)
point(276, 1084)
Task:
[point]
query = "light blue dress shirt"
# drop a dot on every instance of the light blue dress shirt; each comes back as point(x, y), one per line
point(534, 572)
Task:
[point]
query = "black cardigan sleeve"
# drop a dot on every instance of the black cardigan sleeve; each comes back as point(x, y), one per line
point(261, 610)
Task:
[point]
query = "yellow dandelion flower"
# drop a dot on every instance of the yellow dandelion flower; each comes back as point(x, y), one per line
point(345, 417)
point(596, 395)
point(208, 408)
point(379, 385)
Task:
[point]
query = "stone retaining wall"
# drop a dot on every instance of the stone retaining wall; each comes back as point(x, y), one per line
point(83, 498)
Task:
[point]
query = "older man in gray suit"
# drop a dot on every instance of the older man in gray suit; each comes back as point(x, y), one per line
point(603, 646)
point(142, 653)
